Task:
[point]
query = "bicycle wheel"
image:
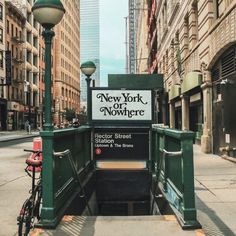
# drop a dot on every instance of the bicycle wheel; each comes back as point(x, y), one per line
point(24, 219)
point(38, 202)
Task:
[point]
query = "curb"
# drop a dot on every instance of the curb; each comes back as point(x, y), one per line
point(231, 159)
point(19, 138)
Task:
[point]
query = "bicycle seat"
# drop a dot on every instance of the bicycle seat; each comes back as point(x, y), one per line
point(33, 162)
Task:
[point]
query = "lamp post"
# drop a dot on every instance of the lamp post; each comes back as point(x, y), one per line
point(88, 68)
point(48, 13)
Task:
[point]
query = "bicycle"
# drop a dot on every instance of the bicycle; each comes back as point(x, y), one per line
point(31, 207)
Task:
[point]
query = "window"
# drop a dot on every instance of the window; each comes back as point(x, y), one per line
point(12, 30)
point(43, 54)
point(221, 6)
point(43, 74)
point(186, 33)
point(35, 60)
point(1, 59)
point(29, 37)
point(2, 90)
point(8, 26)
point(35, 78)
point(1, 35)
point(195, 21)
point(35, 24)
point(12, 51)
point(1, 12)
point(28, 17)
point(29, 56)
point(35, 42)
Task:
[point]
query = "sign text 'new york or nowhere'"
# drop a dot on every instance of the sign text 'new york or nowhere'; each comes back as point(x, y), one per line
point(122, 105)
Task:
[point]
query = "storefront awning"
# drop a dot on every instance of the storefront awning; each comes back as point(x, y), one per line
point(191, 80)
point(174, 91)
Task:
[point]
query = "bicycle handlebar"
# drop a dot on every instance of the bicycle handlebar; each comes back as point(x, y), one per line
point(33, 151)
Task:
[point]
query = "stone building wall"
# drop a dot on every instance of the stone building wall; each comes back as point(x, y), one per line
point(192, 36)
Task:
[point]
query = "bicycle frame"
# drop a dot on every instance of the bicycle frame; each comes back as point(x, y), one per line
point(31, 206)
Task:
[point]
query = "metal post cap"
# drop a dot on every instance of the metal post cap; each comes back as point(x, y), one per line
point(48, 3)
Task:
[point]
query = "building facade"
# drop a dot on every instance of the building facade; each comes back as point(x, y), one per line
point(146, 51)
point(152, 36)
point(142, 38)
point(41, 91)
point(3, 87)
point(14, 65)
point(66, 62)
point(31, 67)
point(89, 42)
point(196, 49)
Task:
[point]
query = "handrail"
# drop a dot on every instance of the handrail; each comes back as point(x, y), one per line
point(173, 154)
point(67, 153)
point(61, 154)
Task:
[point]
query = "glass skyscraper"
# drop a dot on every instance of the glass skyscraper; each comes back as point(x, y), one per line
point(89, 42)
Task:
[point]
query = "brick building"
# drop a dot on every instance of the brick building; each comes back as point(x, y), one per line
point(31, 67)
point(3, 87)
point(142, 38)
point(14, 44)
point(66, 81)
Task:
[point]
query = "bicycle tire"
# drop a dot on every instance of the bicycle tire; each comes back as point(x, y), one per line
point(24, 219)
point(38, 203)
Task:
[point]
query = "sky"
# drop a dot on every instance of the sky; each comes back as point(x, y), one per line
point(112, 38)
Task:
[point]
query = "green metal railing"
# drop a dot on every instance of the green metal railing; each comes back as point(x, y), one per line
point(60, 185)
point(172, 163)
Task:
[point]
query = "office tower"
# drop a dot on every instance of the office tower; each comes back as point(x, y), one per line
point(89, 41)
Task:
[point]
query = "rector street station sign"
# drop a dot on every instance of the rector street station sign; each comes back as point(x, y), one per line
point(127, 105)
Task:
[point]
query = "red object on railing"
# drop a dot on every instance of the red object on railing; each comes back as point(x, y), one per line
point(37, 146)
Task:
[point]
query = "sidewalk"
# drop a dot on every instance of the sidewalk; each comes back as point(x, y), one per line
point(6, 136)
point(215, 187)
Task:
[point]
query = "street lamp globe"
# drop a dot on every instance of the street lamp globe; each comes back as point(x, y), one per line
point(88, 68)
point(48, 12)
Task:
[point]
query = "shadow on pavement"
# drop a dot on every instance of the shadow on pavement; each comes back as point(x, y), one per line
point(211, 223)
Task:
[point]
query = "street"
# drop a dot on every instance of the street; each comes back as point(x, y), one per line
point(214, 187)
point(14, 184)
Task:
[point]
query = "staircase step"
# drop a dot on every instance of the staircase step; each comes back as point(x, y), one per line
point(118, 226)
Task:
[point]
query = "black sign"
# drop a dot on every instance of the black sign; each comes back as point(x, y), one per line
point(8, 67)
point(121, 145)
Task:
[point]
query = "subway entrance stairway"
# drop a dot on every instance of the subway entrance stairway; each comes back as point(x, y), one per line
point(120, 174)
point(97, 196)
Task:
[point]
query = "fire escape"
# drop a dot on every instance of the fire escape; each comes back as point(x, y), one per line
point(132, 36)
point(152, 37)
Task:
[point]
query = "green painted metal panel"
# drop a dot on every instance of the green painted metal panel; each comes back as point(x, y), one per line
point(192, 80)
point(177, 173)
point(135, 81)
point(174, 91)
point(59, 180)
